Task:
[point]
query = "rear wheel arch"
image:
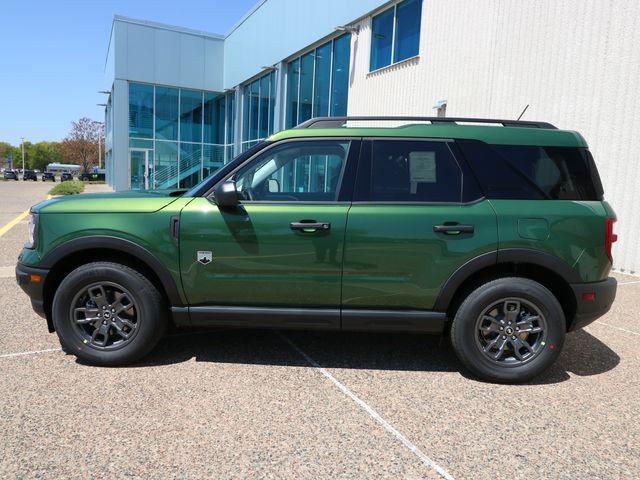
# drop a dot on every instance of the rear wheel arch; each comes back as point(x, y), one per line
point(70, 255)
point(544, 268)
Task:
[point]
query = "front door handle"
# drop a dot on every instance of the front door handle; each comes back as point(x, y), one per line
point(310, 227)
point(453, 229)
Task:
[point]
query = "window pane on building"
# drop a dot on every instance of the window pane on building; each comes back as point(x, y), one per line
point(190, 116)
point(254, 114)
point(245, 113)
point(381, 39)
point(265, 89)
point(165, 174)
point(340, 75)
point(407, 42)
point(212, 159)
point(293, 76)
point(306, 87)
point(272, 102)
point(212, 125)
point(140, 110)
point(231, 102)
point(190, 164)
point(322, 78)
point(167, 109)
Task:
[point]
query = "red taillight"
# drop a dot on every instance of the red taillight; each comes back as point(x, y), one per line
point(610, 237)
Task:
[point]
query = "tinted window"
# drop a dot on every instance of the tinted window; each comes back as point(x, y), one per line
point(561, 173)
point(497, 178)
point(414, 171)
point(295, 171)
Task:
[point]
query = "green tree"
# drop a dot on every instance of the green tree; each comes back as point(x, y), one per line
point(43, 153)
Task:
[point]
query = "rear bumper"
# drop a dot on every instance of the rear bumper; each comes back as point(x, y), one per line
point(31, 280)
point(593, 300)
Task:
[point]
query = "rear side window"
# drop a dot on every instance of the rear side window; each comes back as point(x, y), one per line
point(533, 173)
point(561, 173)
point(412, 171)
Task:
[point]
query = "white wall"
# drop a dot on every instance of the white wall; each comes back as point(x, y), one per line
point(576, 62)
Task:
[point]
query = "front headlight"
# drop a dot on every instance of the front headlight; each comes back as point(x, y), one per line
point(33, 232)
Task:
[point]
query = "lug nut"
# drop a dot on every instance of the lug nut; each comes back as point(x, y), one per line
point(513, 337)
point(517, 329)
point(501, 328)
point(504, 336)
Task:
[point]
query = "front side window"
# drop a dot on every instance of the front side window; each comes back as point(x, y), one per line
point(413, 171)
point(395, 34)
point(295, 171)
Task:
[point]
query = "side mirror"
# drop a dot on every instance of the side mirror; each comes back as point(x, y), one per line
point(226, 195)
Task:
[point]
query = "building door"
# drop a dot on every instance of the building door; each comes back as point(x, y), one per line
point(283, 246)
point(139, 161)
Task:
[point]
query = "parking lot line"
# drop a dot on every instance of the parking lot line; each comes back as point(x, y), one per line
point(369, 410)
point(33, 352)
point(13, 222)
point(629, 283)
point(617, 328)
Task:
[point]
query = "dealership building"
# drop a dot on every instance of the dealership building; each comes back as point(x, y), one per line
point(182, 102)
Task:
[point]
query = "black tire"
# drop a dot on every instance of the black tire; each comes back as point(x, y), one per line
point(150, 314)
point(467, 337)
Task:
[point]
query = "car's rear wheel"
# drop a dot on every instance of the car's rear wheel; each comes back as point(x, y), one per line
point(508, 330)
point(108, 314)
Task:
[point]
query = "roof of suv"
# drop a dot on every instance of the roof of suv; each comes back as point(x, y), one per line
point(497, 135)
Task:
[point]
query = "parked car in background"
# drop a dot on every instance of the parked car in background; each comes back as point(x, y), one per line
point(10, 175)
point(48, 176)
point(66, 176)
point(29, 175)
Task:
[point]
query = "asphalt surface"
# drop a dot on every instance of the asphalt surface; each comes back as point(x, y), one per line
point(264, 404)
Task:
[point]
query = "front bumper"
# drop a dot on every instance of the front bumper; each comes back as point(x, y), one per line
point(593, 300)
point(31, 280)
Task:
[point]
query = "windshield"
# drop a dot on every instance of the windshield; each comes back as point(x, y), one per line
point(206, 184)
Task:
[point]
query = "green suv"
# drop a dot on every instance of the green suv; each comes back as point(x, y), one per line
point(494, 232)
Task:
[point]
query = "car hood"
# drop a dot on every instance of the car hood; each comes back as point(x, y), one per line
point(128, 202)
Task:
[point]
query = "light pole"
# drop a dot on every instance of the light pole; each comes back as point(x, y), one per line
point(22, 145)
point(99, 150)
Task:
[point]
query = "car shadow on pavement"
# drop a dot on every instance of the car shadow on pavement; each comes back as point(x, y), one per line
point(583, 354)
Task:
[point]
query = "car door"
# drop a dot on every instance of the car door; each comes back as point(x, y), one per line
point(417, 216)
point(283, 246)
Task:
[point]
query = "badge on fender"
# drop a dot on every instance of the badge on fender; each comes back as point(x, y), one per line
point(204, 257)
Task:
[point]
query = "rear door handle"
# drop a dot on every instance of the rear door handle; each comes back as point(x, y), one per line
point(310, 226)
point(453, 229)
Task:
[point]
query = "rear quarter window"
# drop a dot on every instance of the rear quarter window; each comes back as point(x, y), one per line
point(533, 172)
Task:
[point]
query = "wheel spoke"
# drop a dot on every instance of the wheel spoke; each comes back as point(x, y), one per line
point(100, 335)
point(500, 351)
point(90, 315)
point(98, 295)
point(511, 310)
point(121, 304)
point(121, 326)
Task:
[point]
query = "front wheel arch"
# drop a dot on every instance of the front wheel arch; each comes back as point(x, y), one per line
point(61, 265)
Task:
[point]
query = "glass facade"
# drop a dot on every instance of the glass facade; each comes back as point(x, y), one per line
point(177, 137)
point(258, 102)
point(395, 34)
point(318, 82)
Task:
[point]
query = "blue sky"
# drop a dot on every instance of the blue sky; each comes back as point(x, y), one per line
point(52, 55)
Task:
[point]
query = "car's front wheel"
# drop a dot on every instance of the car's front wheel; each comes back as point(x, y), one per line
point(108, 314)
point(508, 330)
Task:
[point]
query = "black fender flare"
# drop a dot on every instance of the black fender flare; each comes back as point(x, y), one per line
point(496, 257)
point(118, 244)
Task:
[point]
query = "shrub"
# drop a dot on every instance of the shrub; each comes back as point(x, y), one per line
point(70, 187)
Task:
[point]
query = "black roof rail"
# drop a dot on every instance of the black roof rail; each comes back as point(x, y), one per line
point(336, 122)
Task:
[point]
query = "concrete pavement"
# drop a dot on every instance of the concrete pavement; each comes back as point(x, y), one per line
point(263, 404)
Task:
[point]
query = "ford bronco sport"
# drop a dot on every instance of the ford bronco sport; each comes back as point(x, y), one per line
point(492, 231)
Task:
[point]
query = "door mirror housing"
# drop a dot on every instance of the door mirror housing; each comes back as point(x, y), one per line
point(226, 195)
